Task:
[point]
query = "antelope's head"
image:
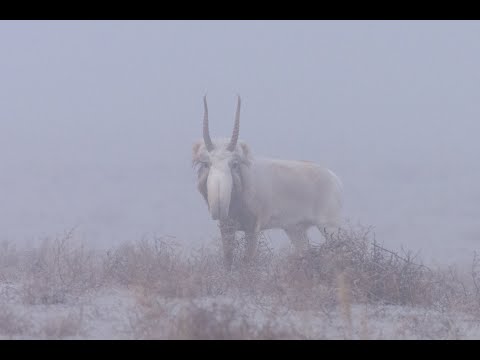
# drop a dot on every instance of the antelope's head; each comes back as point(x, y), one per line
point(221, 165)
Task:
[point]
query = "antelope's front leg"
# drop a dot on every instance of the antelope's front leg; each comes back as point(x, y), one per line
point(251, 249)
point(227, 231)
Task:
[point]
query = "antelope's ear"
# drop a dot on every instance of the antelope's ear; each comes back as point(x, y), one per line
point(247, 154)
point(196, 148)
point(202, 187)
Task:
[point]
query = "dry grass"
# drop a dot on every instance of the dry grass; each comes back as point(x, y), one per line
point(370, 272)
point(327, 281)
point(62, 326)
point(154, 265)
point(349, 268)
point(9, 262)
point(214, 321)
point(224, 322)
point(12, 323)
point(15, 323)
point(59, 270)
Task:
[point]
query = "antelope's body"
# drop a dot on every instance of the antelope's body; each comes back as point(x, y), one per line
point(250, 194)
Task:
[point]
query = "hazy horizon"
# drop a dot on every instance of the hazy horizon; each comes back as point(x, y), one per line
point(97, 121)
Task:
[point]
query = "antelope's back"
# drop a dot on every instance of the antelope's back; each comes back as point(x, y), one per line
point(298, 190)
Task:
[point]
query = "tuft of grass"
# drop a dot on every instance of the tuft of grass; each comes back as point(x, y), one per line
point(63, 326)
point(150, 265)
point(215, 321)
point(12, 323)
point(60, 269)
point(10, 262)
point(371, 273)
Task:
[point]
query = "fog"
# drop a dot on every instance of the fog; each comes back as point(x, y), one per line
point(97, 121)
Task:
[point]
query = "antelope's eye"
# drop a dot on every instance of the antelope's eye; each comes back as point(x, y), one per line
point(234, 164)
point(205, 165)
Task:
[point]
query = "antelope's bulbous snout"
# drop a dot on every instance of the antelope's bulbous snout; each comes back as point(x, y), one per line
point(219, 189)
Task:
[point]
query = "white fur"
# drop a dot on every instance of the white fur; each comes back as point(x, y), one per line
point(285, 193)
point(270, 193)
point(254, 194)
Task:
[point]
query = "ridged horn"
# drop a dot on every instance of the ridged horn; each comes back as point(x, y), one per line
point(206, 132)
point(236, 128)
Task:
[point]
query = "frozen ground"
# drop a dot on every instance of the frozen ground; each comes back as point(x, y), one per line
point(348, 288)
point(120, 314)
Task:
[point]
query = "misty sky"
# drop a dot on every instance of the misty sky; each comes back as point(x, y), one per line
point(97, 120)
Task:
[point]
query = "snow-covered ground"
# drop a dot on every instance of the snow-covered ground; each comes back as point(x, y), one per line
point(348, 288)
point(118, 314)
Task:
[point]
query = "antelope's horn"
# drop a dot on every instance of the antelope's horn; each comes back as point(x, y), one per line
point(236, 128)
point(206, 132)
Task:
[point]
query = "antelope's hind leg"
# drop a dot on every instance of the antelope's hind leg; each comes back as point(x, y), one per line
point(328, 229)
point(299, 238)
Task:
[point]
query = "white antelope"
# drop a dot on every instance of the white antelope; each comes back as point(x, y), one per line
point(251, 194)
